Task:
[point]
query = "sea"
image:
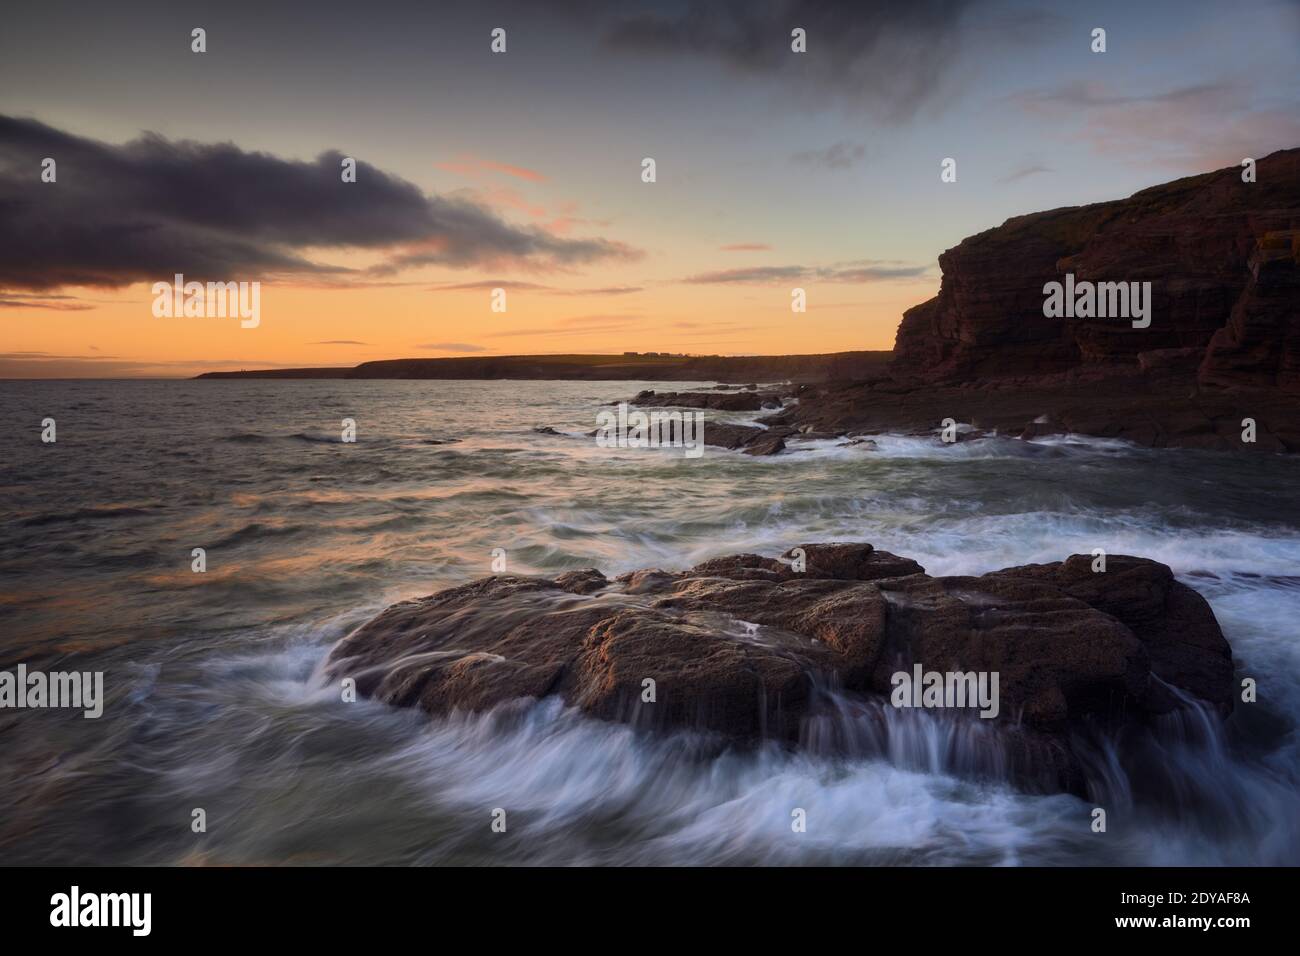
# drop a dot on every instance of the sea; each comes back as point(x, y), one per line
point(221, 742)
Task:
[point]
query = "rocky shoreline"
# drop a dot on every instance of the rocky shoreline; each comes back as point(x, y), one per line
point(1216, 366)
point(804, 651)
point(1152, 411)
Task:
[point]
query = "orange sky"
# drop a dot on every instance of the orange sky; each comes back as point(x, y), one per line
point(304, 325)
point(776, 169)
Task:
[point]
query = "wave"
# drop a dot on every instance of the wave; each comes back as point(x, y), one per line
point(890, 445)
point(246, 438)
point(86, 514)
point(256, 531)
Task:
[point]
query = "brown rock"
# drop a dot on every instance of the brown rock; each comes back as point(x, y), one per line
point(749, 647)
point(730, 436)
point(765, 445)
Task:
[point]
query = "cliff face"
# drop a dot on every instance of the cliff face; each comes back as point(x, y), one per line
point(1220, 255)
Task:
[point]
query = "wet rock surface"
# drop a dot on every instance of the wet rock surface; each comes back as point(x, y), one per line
point(751, 647)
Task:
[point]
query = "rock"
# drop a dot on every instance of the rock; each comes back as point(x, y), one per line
point(749, 438)
point(1174, 623)
point(1259, 347)
point(726, 402)
point(1162, 359)
point(866, 444)
point(748, 647)
point(545, 430)
point(1057, 657)
point(730, 436)
point(854, 562)
point(586, 581)
point(765, 445)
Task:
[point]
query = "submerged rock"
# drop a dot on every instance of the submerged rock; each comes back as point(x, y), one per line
point(755, 647)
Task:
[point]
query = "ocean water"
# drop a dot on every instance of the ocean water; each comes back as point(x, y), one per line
point(214, 694)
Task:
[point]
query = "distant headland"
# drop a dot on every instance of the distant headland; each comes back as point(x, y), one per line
point(627, 366)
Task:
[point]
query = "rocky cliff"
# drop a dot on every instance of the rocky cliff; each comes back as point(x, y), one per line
point(1221, 257)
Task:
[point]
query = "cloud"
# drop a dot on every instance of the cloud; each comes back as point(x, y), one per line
point(577, 325)
point(506, 244)
point(746, 247)
point(1024, 172)
point(152, 207)
point(488, 285)
point(857, 271)
point(1187, 128)
point(750, 274)
point(889, 57)
point(841, 155)
point(474, 168)
point(1083, 94)
point(59, 303)
point(606, 290)
point(452, 347)
point(46, 357)
point(513, 286)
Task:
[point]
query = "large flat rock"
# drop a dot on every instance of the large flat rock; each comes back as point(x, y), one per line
point(753, 647)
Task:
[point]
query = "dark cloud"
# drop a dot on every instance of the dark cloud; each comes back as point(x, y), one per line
point(889, 56)
point(153, 207)
point(862, 270)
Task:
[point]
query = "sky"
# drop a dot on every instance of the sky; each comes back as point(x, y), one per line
point(522, 170)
